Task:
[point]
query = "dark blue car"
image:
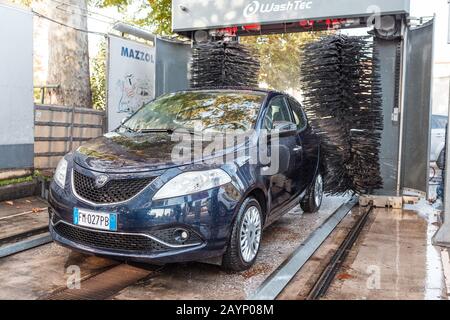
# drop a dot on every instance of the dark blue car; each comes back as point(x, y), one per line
point(158, 190)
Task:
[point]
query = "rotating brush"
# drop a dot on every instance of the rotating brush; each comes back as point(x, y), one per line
point(342, 98)
point(223, 64)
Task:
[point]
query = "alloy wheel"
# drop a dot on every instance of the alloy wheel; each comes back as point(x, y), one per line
point(250, 235)
point(318, 190)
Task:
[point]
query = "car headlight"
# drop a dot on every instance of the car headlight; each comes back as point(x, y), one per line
point(192, 182)
point(61, 173)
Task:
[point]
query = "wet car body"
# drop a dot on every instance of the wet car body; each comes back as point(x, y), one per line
point(147, 228)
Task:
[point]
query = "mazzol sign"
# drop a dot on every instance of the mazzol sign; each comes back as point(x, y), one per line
point(131, 78)
point(256, 7)
point(136, 54)
point(191, 15)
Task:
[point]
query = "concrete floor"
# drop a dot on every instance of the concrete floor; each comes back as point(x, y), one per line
point(23, 215)
point(394, 258)
point(302, 283)
point(35, 273)
point(202, 281)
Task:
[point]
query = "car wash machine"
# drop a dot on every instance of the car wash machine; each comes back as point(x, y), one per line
point(399, 89)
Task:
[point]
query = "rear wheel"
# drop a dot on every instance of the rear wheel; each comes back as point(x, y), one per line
point(313, 199)
point(245, 237)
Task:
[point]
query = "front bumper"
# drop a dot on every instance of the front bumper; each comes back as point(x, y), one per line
point(144, 226)
point(171, 255)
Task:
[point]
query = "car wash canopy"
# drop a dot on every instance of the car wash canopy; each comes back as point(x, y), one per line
point(276, 16)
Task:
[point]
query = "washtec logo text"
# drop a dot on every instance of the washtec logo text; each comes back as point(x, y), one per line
point(256, 7)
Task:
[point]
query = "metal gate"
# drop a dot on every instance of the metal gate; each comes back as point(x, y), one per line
point(417, 109)
point(59, 130)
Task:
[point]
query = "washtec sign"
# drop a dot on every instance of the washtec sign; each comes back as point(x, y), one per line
point(191, 15)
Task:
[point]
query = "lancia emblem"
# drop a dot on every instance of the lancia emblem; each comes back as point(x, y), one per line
point(101, 180)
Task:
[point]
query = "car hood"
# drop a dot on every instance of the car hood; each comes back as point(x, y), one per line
point(118, 153)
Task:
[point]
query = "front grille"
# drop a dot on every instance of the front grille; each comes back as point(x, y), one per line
point(113, 191)
point(105, 240)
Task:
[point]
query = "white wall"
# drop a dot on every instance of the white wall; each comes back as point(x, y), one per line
point(16, 87)
point(420, 8)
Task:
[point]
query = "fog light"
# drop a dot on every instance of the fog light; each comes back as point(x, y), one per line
point(181, 235)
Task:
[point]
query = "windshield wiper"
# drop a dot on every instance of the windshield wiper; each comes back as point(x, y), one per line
point(128, 128)
point(169, 131)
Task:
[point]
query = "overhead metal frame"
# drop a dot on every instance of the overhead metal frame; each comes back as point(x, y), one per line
point(259, 17)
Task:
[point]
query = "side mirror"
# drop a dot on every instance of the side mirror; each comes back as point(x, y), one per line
point(284, 126)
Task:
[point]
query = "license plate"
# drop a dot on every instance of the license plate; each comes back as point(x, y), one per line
point(93, 219)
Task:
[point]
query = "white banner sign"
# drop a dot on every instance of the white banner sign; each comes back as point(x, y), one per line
point(131, 78)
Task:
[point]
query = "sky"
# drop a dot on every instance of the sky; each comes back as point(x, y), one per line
point(441, 9)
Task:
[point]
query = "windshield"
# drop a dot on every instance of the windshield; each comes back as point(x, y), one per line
point(198, 110)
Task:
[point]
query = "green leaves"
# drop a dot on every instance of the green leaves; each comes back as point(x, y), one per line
point(161, 16)
point(98, 78)
point(110, 3)
point(280, 57)
point(159, 19)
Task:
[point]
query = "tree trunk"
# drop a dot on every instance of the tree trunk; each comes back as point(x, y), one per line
point(68, 56)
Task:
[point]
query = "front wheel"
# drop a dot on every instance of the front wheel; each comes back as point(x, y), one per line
point(313, 199)
point(245, 237)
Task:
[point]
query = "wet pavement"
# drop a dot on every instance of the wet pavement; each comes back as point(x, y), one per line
point(36, 273)
point(203, 281)
point(305, 279)
point(394, 258)
point(23, 215)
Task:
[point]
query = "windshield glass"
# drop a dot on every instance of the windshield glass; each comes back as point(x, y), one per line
point(199, 110)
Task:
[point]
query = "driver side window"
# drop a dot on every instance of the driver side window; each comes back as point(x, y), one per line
point(277, 111)
point(299, 116)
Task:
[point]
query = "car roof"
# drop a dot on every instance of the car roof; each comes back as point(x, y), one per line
point(238, 89)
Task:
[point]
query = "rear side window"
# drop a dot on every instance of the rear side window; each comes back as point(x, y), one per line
point(299, 115)
point(438, 122)
point(278, 111)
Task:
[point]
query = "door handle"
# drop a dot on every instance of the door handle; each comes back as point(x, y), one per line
point(297, 149)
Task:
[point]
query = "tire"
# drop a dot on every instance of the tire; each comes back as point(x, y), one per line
point(236, 258)
point(313, 199)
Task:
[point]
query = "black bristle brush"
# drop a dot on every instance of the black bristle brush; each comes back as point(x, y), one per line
point(342, 97)
point(223, 64)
